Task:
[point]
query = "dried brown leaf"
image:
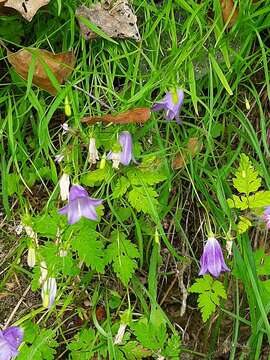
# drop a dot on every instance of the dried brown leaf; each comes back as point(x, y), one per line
point(227, 7)
point(134, 116)
point(61, 65)
point(193, 148)
point(115, 18)
point(27, 8)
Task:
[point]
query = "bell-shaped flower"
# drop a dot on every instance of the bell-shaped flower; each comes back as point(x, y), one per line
point(48, 292)
point(80, 205)
point(64, 184)
point(10, 340)
point(171, 103)
point(212, 260)
point(266, 216)
point(92, 152)
point(124, 154)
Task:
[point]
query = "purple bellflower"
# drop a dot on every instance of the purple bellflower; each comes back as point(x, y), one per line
point(10, 340)
point(212, 260)
point(266, 216)
point(171, 103)
point(80, 205)
point(124, 154)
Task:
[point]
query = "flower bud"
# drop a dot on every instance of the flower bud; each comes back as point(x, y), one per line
point(31, 257)
point(67, 107)
point(64, 184)
point(93, 153)
point(48, 292)
point(103, 162)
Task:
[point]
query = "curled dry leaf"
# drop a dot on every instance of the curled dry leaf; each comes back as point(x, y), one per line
point(193, 148)
point(61, 66)
point(115, 18)
point(227, 7)
point(134, 116)
point(27, 8)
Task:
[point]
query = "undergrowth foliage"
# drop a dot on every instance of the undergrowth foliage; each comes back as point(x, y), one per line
point(135, 197)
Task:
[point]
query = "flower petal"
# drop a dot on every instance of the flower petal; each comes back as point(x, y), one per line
point(77, 191)
point(88, 210)
point(63, 210)
point(74, 212)
point(125, 141)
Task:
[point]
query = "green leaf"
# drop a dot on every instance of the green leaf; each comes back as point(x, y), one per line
point(206, 305)
point(134, 351)
point(143, 199)
point(121, 187)
point(210, 293)
point(202, 284)
point(89, 248)
point(82, 345)
point(148, 335)
point(220, 74)
point(47, 224)
point(172, 349)
point(238, 203)
point(122, 253)
point(243, 225)
point(247, 180)
point(152, 177)
point(42, 345)
point(260, 199)
point(93, 178)
point(262, 262)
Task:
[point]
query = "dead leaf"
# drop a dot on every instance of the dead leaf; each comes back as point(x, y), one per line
point(27, 8)
point(134, 116)
point(193, 148)
point(227, 7)
point(61, 65)
point(115, 18)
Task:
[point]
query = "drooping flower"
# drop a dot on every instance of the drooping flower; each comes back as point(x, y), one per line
point(266, 216)
point(124, 154)
point(171, 103)
point(80, 205)
point(212, 260)
point(10, 340)
point(64, 184)
point(92, 152)
point(48, 292)
point(65, 128)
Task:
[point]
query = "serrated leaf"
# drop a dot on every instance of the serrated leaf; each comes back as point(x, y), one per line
point(135, 351)
point(42, 347)
point(89, 247)
point(47, 224)
point(243, 225)
point(150, 336)
point(143, 199)
point(238, 203)
point(122, 253)
point(201, 285)
point(260, 199)
point(206, 305)
point(247, 180)
point(95, 177)
point(210, 293)
point(147, 177)
point(82, 345)
point(172, 350)
point(121, 187)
